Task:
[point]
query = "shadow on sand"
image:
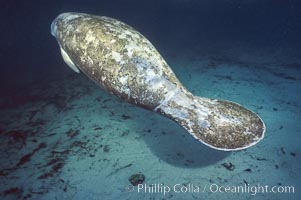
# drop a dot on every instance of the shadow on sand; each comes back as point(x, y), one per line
point(172, 144)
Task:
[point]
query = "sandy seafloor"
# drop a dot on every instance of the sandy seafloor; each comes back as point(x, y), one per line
point(66, 138)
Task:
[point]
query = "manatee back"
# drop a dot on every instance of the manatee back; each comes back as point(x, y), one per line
point(118, 58)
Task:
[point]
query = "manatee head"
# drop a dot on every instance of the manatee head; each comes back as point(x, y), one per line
point(59, 29)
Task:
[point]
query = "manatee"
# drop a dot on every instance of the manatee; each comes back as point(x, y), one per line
point(124, 63)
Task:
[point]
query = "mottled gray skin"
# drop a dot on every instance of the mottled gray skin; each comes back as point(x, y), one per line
point(126, 64)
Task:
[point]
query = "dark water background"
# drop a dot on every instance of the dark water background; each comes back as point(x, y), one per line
point(29, 52)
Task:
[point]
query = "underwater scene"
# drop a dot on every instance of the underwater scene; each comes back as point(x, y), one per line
point(160, 99)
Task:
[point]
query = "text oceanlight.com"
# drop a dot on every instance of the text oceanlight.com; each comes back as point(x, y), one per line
point(210, 188)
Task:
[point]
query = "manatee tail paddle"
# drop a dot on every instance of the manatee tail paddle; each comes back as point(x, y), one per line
point(219, 124)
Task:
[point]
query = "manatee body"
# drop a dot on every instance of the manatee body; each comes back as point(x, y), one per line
point(123, 62)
